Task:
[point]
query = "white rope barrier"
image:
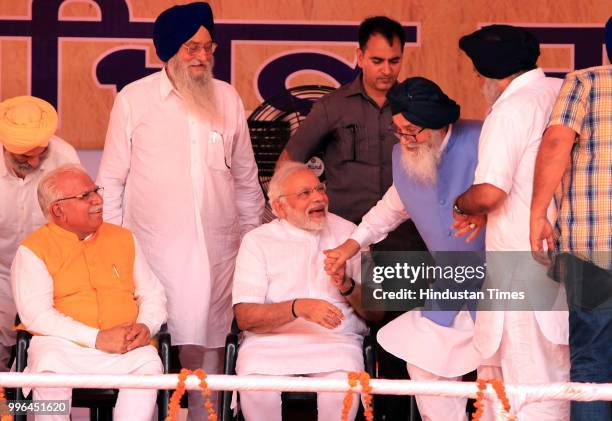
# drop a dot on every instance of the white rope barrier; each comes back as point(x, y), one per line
point(517, 393)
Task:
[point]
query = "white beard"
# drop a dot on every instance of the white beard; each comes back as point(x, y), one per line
point(198, 92)
point(490, 91)
point(421, 160)
point(303, 220)
point(20, 169)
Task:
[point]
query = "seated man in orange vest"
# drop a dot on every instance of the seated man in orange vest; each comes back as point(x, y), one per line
point(84, 289)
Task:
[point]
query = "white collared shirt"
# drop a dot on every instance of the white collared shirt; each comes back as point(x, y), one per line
point(279, 262)
point(508, 146)
point(20, 212)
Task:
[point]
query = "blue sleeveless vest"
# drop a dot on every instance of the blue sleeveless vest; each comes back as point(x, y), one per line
point(430, 207)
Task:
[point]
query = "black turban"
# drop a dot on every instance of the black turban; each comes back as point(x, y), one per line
point(608, 32)
point(499, 51)
point(179, 23)
point(423, 103)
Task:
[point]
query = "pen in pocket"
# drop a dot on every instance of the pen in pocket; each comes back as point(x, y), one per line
point(115, 271)
point(353, 145)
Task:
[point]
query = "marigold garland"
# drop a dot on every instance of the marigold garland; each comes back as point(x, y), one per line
point(175, 400)
point(500, 391)
point(3, 406)
point(364, 380)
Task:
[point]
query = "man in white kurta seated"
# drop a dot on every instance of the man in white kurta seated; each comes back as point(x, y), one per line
point(297, 319)
point(83, 288)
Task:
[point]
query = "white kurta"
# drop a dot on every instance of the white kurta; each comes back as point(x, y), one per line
point(508, 146)
point(454, 354)
point(279, 262)
point(65, 345)
point(166, 178)
point(20, 214)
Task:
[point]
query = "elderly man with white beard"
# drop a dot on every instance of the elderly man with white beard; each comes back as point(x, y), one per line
point(179, 171)
point(434, 162)
point(297, 319)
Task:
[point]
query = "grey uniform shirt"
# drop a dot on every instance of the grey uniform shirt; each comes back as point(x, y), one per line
point(352, 132)
point(355, 138)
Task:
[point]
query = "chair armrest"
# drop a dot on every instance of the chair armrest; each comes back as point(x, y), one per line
point(164, 342)
point(231, 349)
point(229, 367)
point(23, 342)
point(369, 355)
point(235, 329)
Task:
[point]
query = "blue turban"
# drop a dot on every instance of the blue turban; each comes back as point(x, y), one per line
point(608, 32)
point(179, 23)
point(423, 103)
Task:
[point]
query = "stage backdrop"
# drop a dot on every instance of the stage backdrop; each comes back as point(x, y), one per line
point(78, 53)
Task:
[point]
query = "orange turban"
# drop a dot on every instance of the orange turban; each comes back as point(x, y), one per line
point(26, 122)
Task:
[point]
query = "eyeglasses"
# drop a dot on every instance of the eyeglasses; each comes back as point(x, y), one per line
point(193, 49)
point(305, 194)
point(85, 196)
point(400, 134)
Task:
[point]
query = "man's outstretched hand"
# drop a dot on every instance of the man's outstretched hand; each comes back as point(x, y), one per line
point(336, 258)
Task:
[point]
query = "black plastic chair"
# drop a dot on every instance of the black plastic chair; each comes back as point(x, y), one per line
point(231, 355)
point(99, 401)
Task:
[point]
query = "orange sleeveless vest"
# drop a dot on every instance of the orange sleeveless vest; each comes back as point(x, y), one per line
point(93, 278)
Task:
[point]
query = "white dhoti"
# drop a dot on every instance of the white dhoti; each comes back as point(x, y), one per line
point(434, 352)
point(528, 357)
point(532, 346)
point(443, 351)
point(57, 355)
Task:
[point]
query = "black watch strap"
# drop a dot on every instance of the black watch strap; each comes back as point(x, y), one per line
point(350, 290)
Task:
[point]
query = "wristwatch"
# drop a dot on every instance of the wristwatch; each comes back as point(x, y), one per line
point(350, 290)
point(457, 209)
